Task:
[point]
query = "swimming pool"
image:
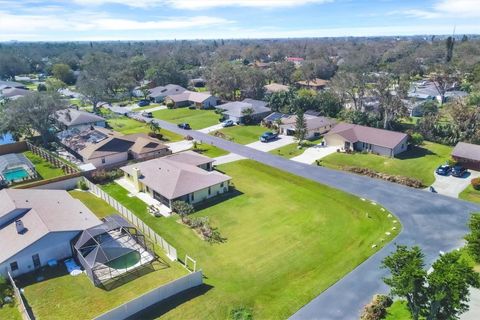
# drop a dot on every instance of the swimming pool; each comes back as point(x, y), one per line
point(17, 174)
point(6, 139)
point(126, 261)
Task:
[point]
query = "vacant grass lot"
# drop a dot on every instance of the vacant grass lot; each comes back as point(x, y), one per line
point(419, 162)
point(243, 134)
point(94, 203)
point(44, 168)
point(288, 239)
point(126, 125)
point(196, 118)
point(470, 194)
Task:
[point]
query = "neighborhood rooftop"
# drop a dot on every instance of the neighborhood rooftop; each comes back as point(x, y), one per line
point(467, 151)
point(355, 133)
point(73, 117)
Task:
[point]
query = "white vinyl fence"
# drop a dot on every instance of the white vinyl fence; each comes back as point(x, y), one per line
point(157, 295)
point(170, 251)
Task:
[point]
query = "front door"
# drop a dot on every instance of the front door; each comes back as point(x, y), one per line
point(36, 261)
point(347, 145)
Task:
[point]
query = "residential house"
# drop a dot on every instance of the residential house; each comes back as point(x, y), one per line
point(315, 84)
point(76, 119)
point(11, 84)
point(198, 83)
point(275, 87)
point(467, 155)
point(158, 94)
point(316, 125)
point(37, 227)
point(235, 110)
point(295, 60)
point(274, 118)
point(13, 93)
point(201, 100)
point(185, 176)
point(360, 138)
point(102, 147)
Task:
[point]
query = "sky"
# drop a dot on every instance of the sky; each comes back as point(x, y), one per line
point(98, 20)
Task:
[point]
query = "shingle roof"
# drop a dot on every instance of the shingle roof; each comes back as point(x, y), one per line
point(163, 91)
point(73, 117)
point(196, 97)
point(235, 109)
point(42, 212)
point(276, 87)
point(467, 151)
point(14, 92)
point(10, 84)
point(177, 175)
point(314, 83)
point(379, 137)
point(313, 122)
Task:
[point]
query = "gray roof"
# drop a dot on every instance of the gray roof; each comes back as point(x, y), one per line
point(164, 91)
point(357, 133)
point(14, 92)
point(235, 109)
point(313, 122)
point(196, 97)
point(42, 212)
point(467, 151)
point(10, 84)
point(73, 117)
point(176, 175)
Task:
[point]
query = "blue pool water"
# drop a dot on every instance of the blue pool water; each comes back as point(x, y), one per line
point(15, 174)
point(6, 139)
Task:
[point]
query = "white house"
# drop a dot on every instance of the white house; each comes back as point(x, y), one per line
point(37, 226)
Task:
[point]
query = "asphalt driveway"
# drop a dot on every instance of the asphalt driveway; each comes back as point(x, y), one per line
point(432, 221)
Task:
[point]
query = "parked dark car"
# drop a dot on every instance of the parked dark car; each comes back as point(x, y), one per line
point(458, 171)
point(147, 114)
point(444, 170)
point(268, 136)
point(184, 126)
point(143, 103)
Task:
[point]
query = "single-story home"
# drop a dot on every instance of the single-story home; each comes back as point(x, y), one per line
point(37, 226)
point(13, 93)
point(468, 155)
point(275, 87)
point(158, 94)
point(274, 118)
point(102, 147)
point(11, 84)
point(234, 110)
point(315, 84)
point(201, 100)
point(185, 176)
point(72, 118)
point(360, 138)
point(316, 126)
point(297, 61)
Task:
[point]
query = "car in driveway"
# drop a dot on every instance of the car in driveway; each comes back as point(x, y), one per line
point(143, 103)
point(458, 171)
point(184, 126)
point(443, 170)
point(228, 123)
point(268, 136)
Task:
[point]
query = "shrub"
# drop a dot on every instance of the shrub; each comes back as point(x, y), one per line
point(182, 208)
point(416, 139)
point(170, 104)
point(475, 183)
point(82, 185)
point(241, 313)
point(103, 176)
point(377, 309)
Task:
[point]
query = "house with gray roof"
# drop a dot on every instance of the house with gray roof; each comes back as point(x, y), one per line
point(11, 84)
point(316, 125)
point(158, 94)
point(13, 93)
point(201, 100)
point(185, 176)
point(37, 226)
point(468, 155)
point(354, 137)
point(235, 110)
point(76, 119)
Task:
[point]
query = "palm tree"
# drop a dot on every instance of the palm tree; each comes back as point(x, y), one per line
point(154, 127)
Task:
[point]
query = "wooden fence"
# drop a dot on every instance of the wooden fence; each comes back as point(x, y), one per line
point(18, 296)
point(170, 251)
point(67, 168)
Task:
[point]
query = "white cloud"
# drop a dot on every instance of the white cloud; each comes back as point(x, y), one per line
point(456, 9)
point(203, 4)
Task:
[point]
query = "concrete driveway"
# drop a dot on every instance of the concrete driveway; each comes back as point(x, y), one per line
point(269, 146)
point(452, 186)
point(211, 129)
point(474, 312)
point(231, 157)
point(314, 153)
point(180, 146)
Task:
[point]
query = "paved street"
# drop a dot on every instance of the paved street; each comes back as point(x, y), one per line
point(432, 221)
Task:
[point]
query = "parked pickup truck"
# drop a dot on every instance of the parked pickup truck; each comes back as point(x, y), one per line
point(268, 136)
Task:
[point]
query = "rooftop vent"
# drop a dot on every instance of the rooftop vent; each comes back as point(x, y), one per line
point(20, 227)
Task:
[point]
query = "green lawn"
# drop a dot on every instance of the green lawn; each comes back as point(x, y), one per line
point(210, 151)
point(398, 311)
point(470, 194)
point(62, 296)
point(99, 207)
point(419, 163)
point(292, 150)
point(44, 168)
point(288, 239)
point(132, 203)
point(198, 119)
point(243, 134)
point(129, 126)
point(10, 313)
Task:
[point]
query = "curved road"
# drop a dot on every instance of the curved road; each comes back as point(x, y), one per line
point(431, 221)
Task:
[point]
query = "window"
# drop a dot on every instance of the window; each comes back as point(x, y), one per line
point(193, 196)
point(103, 160)
point(209, 191)
point(221, 185)
point(14, 266)
point(36, 261)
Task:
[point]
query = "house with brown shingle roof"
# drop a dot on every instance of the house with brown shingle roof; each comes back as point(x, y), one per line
point(316, 125)
point(467, 154)
point(315, 84)
point(355, 137)
point(37, 226)
point(185, 176)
